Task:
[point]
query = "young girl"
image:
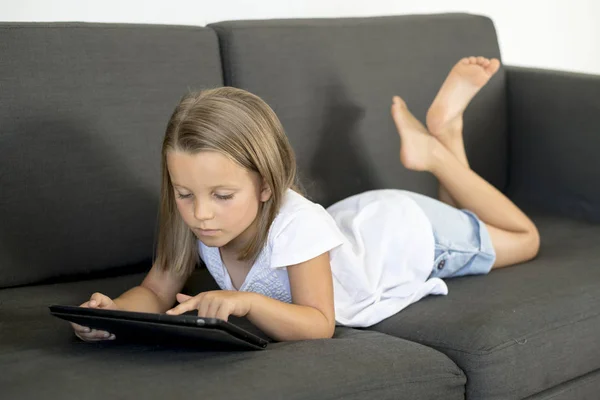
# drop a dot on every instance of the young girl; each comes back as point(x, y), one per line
point(294, 269)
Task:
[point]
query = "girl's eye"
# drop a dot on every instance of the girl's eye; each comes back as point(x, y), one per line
point(220, 197)
point(226, 197)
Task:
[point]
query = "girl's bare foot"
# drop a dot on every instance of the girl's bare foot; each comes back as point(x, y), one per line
point(467, 77)
point(417, 147)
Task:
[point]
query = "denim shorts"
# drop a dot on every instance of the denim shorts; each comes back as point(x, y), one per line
point(462, 242)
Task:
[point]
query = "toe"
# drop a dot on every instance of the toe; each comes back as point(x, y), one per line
point(493, 67)
point(481, 60)
point(396, 111)
point(473, 60)
point(399, 101)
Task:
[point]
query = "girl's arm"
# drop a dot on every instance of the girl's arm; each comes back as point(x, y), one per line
point(156, 294)
point(311, 316)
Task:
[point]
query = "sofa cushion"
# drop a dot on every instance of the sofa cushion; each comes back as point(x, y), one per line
point(40, 355)
point(582, 388)
point(331, 83)
point(521, 329)
point(83, 113)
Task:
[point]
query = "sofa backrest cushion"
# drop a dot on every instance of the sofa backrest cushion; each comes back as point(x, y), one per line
point(82, 118)
point(331, 82)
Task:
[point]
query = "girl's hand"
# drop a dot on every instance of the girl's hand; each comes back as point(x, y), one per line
point(97, 300)
point(215, 304)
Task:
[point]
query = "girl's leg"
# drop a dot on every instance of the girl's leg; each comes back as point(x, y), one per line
point(445, 116)
point(514, 235)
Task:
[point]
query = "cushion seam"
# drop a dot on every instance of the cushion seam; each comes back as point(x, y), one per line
point(502, 346)
point(386, 385)
point(571, 387)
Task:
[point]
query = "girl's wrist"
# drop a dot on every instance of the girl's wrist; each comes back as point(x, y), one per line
point(250, 298)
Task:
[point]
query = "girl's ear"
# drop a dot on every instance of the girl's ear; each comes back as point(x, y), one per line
point(265, 192)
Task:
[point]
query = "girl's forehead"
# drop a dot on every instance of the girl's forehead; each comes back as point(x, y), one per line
point(205, 168)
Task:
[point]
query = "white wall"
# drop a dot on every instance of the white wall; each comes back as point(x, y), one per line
point(556, 34)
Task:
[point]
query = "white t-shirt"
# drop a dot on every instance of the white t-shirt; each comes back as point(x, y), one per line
point(381, 251)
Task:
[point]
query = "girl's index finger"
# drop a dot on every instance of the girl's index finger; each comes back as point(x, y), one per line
point(182, 307)
point(190, 303)
point(176, 310)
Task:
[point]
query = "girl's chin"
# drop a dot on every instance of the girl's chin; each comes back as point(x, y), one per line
point(213, 241)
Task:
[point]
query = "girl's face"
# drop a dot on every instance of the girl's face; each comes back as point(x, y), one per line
point(217, 198)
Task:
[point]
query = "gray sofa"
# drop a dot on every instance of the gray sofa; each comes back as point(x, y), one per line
point(83, 109)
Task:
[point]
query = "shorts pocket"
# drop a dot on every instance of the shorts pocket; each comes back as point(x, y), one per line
point(450, 262)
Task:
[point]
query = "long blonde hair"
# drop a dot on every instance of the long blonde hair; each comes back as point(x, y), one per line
point(241, 126)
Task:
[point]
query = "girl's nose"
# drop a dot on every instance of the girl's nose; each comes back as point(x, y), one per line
point(203, 210)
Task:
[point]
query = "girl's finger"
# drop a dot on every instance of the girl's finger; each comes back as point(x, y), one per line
point(98, 334)
point(83, 329)
point(86, 337)
point(183, 307)
point(203, 307)
point(98, 300)
point(93, 336)
point(213, 309)
point(223, 313)
point(183, 297)
point(79, 328)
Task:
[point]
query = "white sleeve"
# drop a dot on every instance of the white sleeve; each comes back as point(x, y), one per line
point(303, 235)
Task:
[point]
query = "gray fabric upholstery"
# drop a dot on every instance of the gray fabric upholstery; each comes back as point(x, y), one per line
point(555, 140)
point(331, 83)
point(40, 356)
point(583, 388)
point(522, 329)
point(83, 113)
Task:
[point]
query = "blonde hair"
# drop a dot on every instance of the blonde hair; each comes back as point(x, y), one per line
point(241, 126)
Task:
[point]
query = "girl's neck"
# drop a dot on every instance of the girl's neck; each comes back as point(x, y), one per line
point(235, 246)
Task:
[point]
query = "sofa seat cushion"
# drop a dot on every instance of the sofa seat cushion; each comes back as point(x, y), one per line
point(40, 355)
point(522, 329)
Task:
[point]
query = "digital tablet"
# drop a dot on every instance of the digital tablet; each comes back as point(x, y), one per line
point(161, 328)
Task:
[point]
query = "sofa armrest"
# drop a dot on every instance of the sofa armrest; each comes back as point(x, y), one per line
point(554, 141)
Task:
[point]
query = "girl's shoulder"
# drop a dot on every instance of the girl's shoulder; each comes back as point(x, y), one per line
point(297, 209)
point(301, 230)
